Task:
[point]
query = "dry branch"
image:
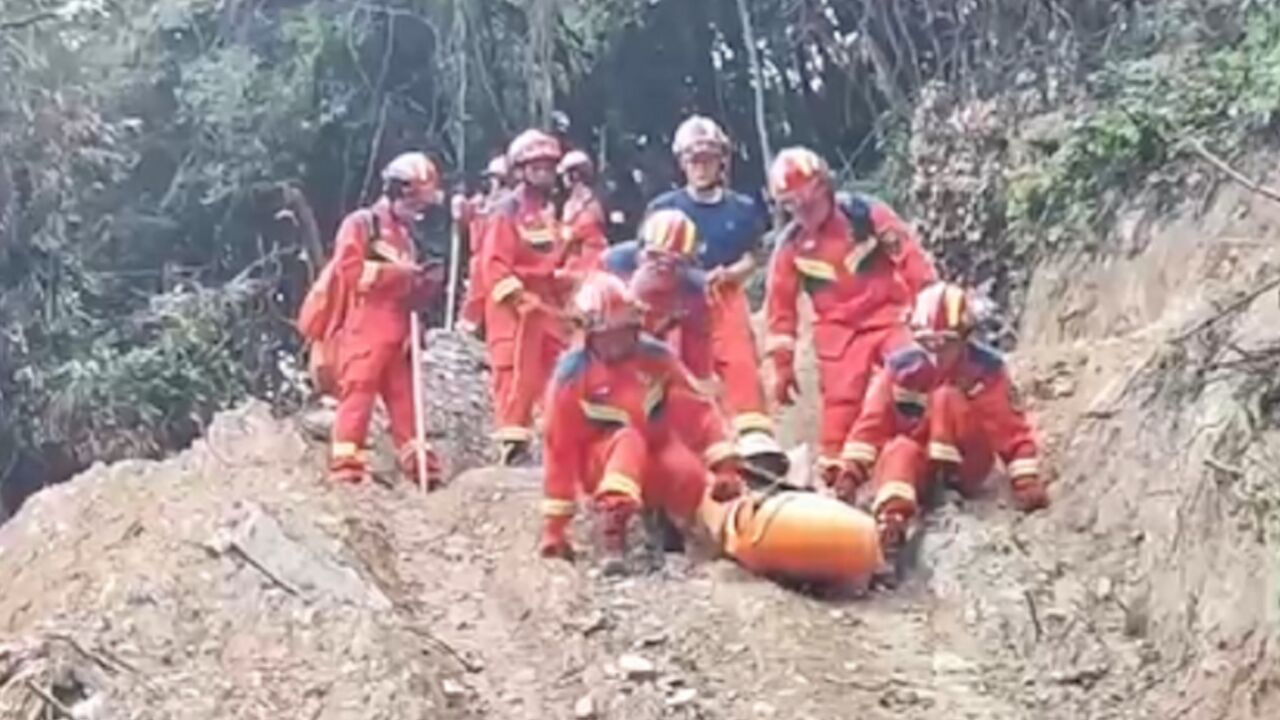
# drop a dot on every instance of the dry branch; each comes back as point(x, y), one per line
point(1217, 317)
point(1197, 148)
point(28, 21)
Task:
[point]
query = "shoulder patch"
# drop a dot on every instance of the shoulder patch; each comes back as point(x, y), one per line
point(857, 208)
point(572, 364)
point(906, 357)
point(622, 259)
point(986, 358)
point(652, 347)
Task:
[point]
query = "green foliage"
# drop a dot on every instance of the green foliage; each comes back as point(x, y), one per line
point(1145, 108)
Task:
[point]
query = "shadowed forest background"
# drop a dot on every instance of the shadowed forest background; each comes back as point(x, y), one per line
point(171, 171)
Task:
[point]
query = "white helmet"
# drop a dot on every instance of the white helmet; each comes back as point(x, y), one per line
point(699, 133)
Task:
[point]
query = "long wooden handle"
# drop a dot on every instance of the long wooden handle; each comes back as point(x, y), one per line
point(419, 423)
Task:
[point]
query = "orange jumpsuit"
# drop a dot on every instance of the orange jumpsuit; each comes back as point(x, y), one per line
point(376, 267)
point(473, 216)
point(583, 226)
point(635, 431)
point(971, 419)
point(521, 250)
point(861, 293)
point(686, 323)
point(727, 231)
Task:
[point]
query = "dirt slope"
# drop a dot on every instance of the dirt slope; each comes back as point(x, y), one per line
point(231, 581)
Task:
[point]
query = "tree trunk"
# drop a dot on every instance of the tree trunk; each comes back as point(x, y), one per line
point(757, 76)
point(541, 15)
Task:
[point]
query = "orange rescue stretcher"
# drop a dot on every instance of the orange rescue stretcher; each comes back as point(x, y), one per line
point(798, 536)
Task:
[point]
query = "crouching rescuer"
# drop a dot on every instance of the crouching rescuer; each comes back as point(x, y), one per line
point(942, 411)
point(381, 284)
point(627, 429)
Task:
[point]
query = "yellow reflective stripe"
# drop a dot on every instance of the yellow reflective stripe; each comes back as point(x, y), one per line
point(753, 421)
point(690, 238)
point(705, 387)
point(718, 452)
point(506, 287)
point(653, 397)
point(552, 507)
point(815, 268)
point(616, 483)
point(537, 236)
point(977, 388)
point(955, 302)
point(827, 461)
point(368, 275)
point(858, 254)
point(944, 452)
point(605, 413)
point(344, 450)
point(859, 451)
point(904, 395)
point(894, 490)
point(513, 433)
point(384, 249)
point(774, 343)
point(1023, 467)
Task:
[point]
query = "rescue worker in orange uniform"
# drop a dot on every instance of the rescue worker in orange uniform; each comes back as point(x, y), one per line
point(942, 412)
point(627, 429)
point(470, 214)
point(582, 217)
point(522, 257)
point(730, 226)
point(383, 283)
point(861, 266)
point(660, 268)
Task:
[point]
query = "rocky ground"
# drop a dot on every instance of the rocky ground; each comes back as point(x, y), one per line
point(232, 582)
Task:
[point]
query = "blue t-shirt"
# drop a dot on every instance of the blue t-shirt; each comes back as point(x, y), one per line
point(727, 230)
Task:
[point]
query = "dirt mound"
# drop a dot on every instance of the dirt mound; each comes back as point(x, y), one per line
point(218, 584)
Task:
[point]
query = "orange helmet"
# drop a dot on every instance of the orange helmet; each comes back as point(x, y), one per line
point(942, 310)
point(797, 172)
point(699, 134)
point(413, 173)
point(575, 160)
point(532, 145)
point(604, 303)
point(669, 231)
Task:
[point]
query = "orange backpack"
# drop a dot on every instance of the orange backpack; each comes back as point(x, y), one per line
point(320, 317)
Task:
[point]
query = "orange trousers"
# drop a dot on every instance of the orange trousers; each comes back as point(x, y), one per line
point(665, 475)
point(954, 438)
point(733, 346)
point(957, 438)
point(366, 372)
point(473, 304)
point(522, 366)
point(844, 377)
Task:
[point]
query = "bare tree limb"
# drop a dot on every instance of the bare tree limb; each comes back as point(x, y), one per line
point(28, 21)
point(1198, 149)
point(753, 60)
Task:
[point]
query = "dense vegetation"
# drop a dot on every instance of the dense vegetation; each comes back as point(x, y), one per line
point(163, 162)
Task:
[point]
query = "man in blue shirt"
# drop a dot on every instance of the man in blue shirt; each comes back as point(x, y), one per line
point(729, 226)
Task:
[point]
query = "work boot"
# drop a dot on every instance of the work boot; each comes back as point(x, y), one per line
point(614, 518)
point(409, 466)
point(513, 453)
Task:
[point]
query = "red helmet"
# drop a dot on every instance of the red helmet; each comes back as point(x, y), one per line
point(669, 231)
point(796, 173)
point(532, 145)
point(575, 160)
point(699, 134)
point(942, 310)
point(414, 172)
point(603, 302)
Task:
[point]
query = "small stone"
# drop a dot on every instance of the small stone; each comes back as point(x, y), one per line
point(763, 709)
point(585, 708)
point(652, 640)
point(681, 697)
point(636, 668)
point(454, 692)
point(1104, 589)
